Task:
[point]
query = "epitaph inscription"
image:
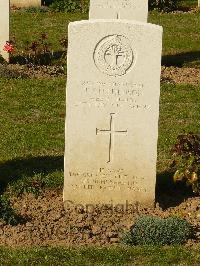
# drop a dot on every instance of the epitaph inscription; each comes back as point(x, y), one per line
point(106, 179)
point(113, 55)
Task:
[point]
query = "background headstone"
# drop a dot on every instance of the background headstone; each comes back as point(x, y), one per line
point(112, 112)
point(4, 26)
point(25, 3)
point(119, 9)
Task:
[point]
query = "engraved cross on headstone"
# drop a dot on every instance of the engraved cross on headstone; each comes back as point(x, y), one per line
point(111, 132)
point(115, 53)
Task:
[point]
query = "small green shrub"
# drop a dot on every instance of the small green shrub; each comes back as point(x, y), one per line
point(186, 160)
point(164, 5)
point(2, 61)
point(38, 52)
point(25, 184)
point(7, 213)
point(149, 230)
point(67, 5)
point(36, 184)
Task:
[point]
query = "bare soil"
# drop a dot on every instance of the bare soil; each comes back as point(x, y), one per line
point(175, 75)
point(182, 75)
point(47, 223)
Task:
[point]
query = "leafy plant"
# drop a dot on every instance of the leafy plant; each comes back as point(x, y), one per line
point(186, 160)
point(149, 230)
point(28, 185)
point(164, 5)
point(7, 213)
point(35, 184)
point(66, 5)
point(36, 52)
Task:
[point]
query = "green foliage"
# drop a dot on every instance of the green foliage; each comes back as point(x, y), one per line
point(32, 185)
point(2, 61)
point(149, 230)
point(36, 184)
point(164, 5)
point(186, 155)
point(37, 52)
point(69, 5)
point(7, 213)
point(83, 5)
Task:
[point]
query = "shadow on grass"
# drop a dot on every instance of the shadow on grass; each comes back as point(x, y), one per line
point(15, 169)
point(181, 59)
point(169, 194)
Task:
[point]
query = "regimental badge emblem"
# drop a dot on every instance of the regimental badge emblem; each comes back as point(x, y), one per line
point(113, 55)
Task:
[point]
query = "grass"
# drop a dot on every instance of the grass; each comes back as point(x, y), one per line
point(31, 110)
point(32, 132)
point(180, 36)
point(179, 113)
point(100, 256)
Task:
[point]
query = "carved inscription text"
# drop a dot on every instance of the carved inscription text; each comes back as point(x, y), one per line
point(115, 94)
point(107, 179)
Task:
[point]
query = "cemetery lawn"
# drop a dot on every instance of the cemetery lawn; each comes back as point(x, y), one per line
point(32, 116)
point(100, 256)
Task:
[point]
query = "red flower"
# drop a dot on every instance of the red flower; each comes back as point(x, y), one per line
point(8, 47)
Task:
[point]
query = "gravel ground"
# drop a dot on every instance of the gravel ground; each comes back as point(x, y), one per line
point(182, 75)
point(47, 223)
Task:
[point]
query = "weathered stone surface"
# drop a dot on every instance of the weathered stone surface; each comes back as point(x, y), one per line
point(119, 9)
point(25, 3)
point(112, 112)
point(4, 27)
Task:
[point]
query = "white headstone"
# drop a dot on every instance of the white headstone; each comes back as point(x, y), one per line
point(4, 26)
point(112, 112)
point(119, 9)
